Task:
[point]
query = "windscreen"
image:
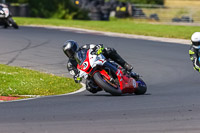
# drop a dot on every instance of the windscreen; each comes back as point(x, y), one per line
point(81, 56)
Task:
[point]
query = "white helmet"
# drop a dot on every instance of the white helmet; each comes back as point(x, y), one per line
point(196, 40)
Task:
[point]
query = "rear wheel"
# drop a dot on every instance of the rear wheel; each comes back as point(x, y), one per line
point(142, 87)
point(106, 85)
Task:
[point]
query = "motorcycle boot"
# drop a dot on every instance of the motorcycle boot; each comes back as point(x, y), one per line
point(92, 87)
point(128, 67)
point(135, 75)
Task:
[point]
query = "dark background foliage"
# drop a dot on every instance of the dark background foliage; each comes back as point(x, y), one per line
point(65, 9)
point(159, 2)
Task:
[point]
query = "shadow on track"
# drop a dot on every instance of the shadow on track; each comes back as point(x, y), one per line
point(109, 95)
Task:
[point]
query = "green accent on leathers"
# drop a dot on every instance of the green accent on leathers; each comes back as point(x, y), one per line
point(78, 78)
point(100, 51)
point(197, 68)
point(191, 52)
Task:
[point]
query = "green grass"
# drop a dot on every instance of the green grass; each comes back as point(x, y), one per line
point(129, 26)
point(15, 81)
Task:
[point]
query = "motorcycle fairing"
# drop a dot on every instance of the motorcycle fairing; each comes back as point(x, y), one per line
point(89, 61)
point(127, 84)
point(4, 11)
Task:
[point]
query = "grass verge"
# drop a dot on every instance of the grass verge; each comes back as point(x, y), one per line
point(128, 26)
point(16, 81)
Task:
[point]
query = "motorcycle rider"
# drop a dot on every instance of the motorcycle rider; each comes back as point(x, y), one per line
point(71, 49)
point(194, 51)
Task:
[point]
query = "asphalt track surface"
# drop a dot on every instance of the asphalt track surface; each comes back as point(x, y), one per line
point(171, 104)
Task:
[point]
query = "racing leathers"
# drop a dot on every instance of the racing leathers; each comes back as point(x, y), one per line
point(194, 57)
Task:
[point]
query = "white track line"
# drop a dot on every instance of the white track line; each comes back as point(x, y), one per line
point(78, 91)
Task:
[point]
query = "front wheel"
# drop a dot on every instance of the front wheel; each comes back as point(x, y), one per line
point(14, 24)
point(105, 85)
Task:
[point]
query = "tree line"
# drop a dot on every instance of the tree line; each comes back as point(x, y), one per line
point(157, 2)
point(65, 9)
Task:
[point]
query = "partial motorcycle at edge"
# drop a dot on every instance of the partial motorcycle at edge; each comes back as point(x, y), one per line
point(6, 18)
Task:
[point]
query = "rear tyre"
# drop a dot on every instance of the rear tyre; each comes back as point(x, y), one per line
point(106, 86)
point(142, 87)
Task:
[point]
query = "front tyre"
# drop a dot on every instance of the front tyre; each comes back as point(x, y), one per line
point(142, 87)
point(102, 83)
point(14, 24)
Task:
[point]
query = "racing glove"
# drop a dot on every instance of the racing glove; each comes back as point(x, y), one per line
point(98, 49)
point(77, 79)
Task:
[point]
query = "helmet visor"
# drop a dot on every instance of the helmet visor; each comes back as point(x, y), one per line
point(196, 43)
point(69, 53)
point(77, 57)
point(80, 56)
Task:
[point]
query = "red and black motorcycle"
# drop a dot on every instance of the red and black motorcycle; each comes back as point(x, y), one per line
point(108, 75)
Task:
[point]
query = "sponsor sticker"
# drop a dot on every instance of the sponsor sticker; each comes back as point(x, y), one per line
point(134, 84)
point(85, 65)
